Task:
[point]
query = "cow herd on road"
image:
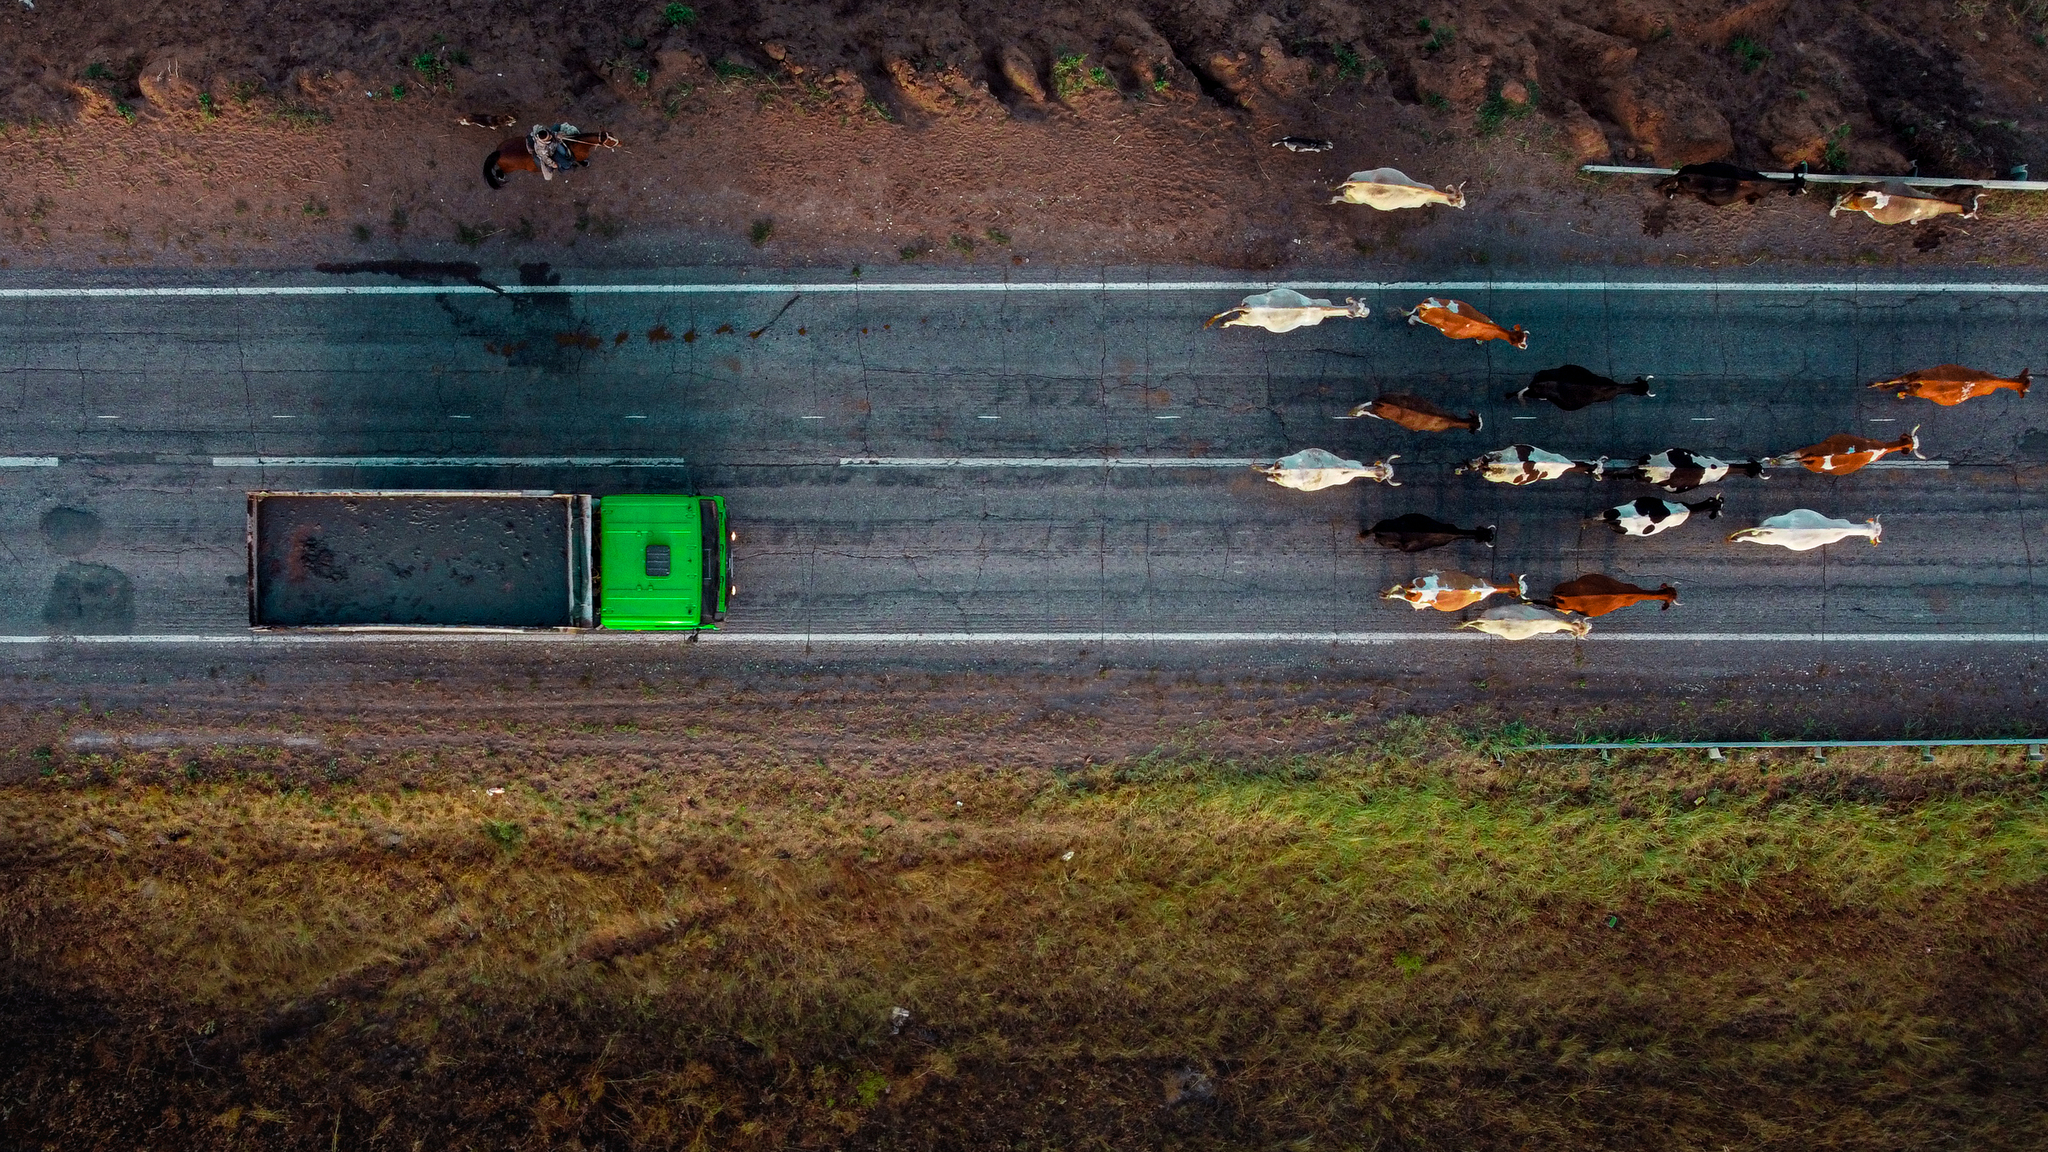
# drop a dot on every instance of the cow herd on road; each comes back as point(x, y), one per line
point(1571, 605)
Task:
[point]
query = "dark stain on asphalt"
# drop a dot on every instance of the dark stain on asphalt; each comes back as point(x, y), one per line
point(722, 329)
point(90, 600)
point(690, 337)
point(71, 531)
point(658, 333)
point(424, 271)
point(577, 340)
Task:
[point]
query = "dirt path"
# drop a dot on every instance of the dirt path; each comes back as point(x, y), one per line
point(968, 135)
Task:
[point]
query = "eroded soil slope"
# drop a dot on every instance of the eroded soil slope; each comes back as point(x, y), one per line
point(982, 132)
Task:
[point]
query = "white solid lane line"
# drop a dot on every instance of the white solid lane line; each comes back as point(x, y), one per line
point(1047, 462)
point(913, 639)
point(448, 461)
point(1795, 287)
point(28, 461)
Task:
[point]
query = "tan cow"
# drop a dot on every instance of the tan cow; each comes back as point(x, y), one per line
point(1461, 321)
point(1284, 310)
point(1595, 594)
point(1523, 621)
point(1842, 453)
point(1390, 188)
point(1452, 591)
point(1803, 529)
point(1312, 470)
point(1898, 203)
point(1950, 384)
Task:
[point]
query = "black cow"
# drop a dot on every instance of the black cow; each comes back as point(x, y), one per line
point(1572, 387)
point(1414, 532)
point(1720, 184)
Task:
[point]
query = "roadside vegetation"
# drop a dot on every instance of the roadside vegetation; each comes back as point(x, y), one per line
point(1405, 944)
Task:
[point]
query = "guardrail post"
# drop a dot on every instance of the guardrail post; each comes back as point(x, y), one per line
point(1715, 754)
point(1927, 754)
point(1820, 754)
point(2034, 753)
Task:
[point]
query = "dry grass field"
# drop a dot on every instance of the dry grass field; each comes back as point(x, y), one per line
point(1403, 944)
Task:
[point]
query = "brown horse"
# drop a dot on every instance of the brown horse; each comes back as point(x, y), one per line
point(513, 156)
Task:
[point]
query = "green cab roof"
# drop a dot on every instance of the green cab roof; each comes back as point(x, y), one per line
point(633, 592)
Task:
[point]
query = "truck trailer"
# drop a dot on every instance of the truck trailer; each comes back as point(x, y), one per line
point(528, 561)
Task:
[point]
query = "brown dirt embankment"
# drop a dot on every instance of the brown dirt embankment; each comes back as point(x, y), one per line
point(978, 133)
point(510, 936)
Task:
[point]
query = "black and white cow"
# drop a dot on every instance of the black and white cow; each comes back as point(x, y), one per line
point(1649, 516)
point(1520, 464)
point(1679, 470)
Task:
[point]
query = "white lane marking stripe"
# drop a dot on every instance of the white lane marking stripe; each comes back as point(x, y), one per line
point(1045, 462)
point(856, 639)
point(1907, 464)
point(28, 461)
point(448, 461)
point(1774, 286)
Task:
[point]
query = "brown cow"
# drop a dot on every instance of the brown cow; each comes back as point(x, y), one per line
point(1842, 453)
point(1461, 321)
point(1720, 184)
point(1950, 384)
point(1597, 595)
point(1416, 414)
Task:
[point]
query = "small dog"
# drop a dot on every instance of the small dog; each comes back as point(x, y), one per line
point(490, 120)
point(1303, 144)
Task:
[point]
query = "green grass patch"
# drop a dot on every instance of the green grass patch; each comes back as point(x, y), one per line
point(1750, 54)
point(1436, 947)
point(678, 15)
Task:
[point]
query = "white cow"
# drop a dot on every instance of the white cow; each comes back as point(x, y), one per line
point(1284, 310)
point(1522, 621)
point(1389, 188)
point(1803, 529)
point(1453, 591)
point(1312, 470)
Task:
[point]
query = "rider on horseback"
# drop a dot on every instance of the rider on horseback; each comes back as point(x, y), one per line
point(550, 148)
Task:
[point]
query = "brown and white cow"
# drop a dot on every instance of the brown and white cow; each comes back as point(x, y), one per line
point(1453, 590)
point(1720, 184)
point(1678, 470)
point(1649, 516)
point(1842, 453)
point(1950, 384)
point(1803, 529)
point(1520, 464)
point(1284, 310)
point(1415, 532)
point(1461, 321)
point(1572, 387)
point(1898, 203)
point(1416, 414)
point(1313, 469)
point(1390, 188)
point(1525, 621)
point(1596, 595)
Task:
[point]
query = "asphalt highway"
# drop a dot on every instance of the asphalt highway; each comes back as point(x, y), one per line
point(1027, 466)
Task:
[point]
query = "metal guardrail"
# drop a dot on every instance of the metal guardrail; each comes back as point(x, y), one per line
point(1716, 748)
point(1830, 178)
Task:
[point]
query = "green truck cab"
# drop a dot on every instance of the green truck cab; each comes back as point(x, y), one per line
point(663, 563)
point(496, 561)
